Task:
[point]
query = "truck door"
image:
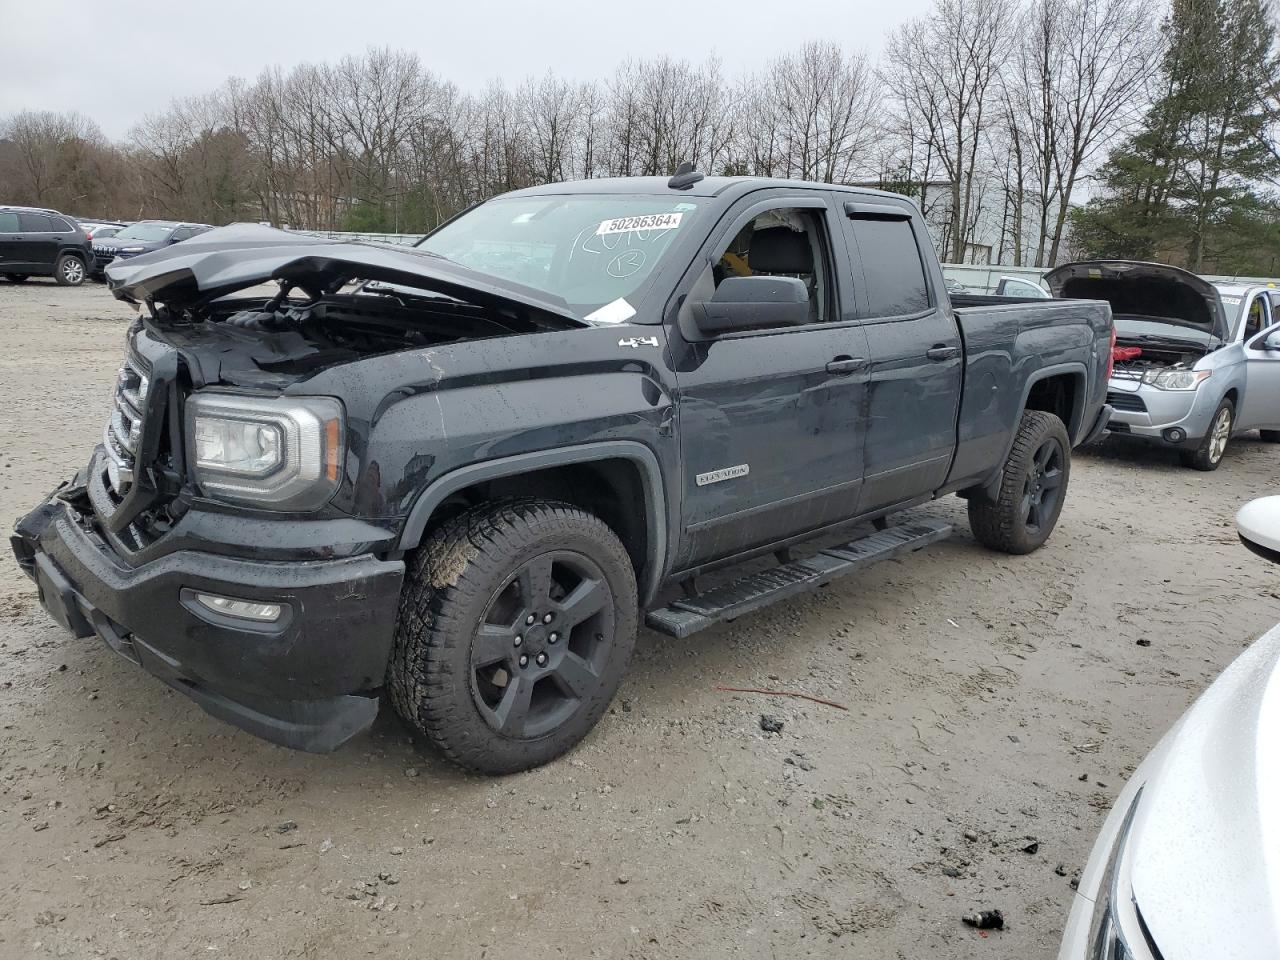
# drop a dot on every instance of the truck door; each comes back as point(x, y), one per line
point(1260, 408)
point(771, 420)
point(913, 394)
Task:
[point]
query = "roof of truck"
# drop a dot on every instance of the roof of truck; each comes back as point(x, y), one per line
point(706, 187)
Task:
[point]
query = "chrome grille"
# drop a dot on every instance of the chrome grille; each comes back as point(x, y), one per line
point(124, 428)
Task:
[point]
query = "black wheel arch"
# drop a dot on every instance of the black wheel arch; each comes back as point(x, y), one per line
point(620, 481)
point(1061, 389)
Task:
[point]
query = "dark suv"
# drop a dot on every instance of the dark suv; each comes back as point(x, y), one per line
point(42, 243)
point(142, 237)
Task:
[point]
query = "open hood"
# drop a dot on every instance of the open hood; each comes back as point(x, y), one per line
point(1153, 292)
point(232, 258)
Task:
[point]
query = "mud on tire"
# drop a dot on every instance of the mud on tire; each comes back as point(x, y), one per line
point(516, 624)
point(1033, 487)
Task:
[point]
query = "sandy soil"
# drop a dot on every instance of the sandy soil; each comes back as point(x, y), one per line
point(991, 700)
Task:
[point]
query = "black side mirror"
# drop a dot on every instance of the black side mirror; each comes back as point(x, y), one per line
point(753, 303)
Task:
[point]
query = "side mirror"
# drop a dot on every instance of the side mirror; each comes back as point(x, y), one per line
point(1272, 341)
point(1258, 524)
point(753, 303)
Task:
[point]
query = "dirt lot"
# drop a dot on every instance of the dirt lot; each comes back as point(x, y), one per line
point(991, 700)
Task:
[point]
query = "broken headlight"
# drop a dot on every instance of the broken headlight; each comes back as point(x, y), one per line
point(1175, 379)
point(282, 453)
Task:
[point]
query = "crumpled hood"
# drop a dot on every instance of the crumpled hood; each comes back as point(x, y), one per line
point(1150, 291)
point(1205, 844)
point(222, 261)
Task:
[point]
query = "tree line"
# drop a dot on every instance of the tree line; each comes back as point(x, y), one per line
point(1027, 130)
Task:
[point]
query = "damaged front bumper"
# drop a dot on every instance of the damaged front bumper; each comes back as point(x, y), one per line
point(305, 680)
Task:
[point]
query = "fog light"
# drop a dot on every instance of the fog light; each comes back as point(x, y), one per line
point(244, 609)
point(1175, 434)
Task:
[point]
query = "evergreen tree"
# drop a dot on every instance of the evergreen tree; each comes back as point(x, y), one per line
point(1188, 185)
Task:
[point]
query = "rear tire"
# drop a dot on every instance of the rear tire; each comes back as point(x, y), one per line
point(70, 271)
point(1033, 488)
point(17, 277)
point(1270, 436)
point(1208, 455)
point(537, 581)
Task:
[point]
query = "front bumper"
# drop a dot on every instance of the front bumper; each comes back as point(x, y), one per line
point(1150, 413)
point(306, 681)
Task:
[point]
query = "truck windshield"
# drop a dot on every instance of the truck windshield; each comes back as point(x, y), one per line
point(590, 251)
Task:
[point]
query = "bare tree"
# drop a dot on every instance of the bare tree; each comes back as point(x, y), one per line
point(943, 70)
point(1075, 82)
point(50, 157)
point(812, 115)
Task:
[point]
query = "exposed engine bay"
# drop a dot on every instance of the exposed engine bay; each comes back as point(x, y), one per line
point(275, 341)
point(1134, 358)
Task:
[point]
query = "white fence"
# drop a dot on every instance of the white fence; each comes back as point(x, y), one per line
point(984, 279)
point(978, 279)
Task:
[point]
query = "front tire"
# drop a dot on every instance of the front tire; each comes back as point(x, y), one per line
point(516, 624)
point(1208, 455)
point(17, 277)
point(1033, 488)
point(69, 271)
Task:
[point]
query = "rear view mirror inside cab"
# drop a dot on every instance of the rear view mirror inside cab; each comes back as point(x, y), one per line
point(753, 303)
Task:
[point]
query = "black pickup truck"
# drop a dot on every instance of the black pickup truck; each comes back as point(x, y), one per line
point(462, 473)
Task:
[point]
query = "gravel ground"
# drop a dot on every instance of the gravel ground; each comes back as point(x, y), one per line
point(995, 703)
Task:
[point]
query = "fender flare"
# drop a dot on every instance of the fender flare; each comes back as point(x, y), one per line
point(991, 486)
point(655, 506)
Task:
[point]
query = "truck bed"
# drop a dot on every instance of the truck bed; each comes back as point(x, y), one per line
point(1011, 342)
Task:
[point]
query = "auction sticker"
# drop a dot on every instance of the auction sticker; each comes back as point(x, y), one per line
point(617, 312)
point(652, 221)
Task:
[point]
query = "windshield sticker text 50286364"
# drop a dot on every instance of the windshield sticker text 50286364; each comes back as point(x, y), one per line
point(652, 221)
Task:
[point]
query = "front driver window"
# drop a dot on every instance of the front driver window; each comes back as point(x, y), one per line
point(786, 242)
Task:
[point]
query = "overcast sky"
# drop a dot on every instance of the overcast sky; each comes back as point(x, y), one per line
point(118, 60)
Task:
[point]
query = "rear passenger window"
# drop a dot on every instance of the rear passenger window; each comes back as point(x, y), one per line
point(8, 223)
point(893, 272)
point(34, 223)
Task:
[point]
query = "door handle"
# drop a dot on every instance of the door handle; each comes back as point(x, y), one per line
point(939, 353)
point(843, 365)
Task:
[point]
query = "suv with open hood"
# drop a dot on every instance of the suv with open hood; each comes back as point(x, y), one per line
point(1196, 363)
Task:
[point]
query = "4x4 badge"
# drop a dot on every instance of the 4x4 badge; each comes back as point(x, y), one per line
point(638, 342)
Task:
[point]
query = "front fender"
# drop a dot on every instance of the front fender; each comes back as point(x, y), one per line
point(655, 506)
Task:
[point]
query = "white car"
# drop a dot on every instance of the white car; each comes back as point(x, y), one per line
point(1188, 862)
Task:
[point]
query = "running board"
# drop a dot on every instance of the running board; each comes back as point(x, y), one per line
point(688, 615)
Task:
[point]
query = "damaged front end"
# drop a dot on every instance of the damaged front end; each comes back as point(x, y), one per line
point(211, 538)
